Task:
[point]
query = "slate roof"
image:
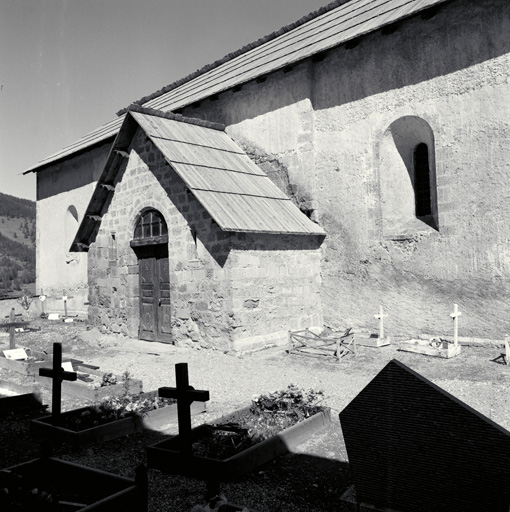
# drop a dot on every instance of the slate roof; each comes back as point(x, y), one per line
point(413, 446)
point(236, 193)
point(331, 26)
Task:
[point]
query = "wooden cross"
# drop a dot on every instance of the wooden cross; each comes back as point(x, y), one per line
point(380, 316)
point(64, 298)
point(455, 315)
point(12, 325)
point(42, 298)
point(185, 396)
point(58, 374)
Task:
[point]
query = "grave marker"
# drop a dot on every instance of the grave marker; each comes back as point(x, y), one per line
point(455, 315)
point(65, 297)
point(381, 316)
point(507, 350)
point(428, 452)
point(42, 298)
point(185, 396)
point(17, 354)
point(12, 325)
point(58, 374)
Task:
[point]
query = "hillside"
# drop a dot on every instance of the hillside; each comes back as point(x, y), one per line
point(17, 244)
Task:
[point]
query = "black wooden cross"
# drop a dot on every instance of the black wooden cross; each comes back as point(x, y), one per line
point(58, 374)
point(185, 396)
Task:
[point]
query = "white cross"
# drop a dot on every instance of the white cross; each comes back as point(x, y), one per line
point(380, 316)
point(455, 315)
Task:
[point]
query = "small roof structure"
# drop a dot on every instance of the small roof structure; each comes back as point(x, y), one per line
point(338, 23)
point(237, 194)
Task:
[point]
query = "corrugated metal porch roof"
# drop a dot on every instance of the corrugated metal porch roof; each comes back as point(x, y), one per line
point(236, 193)
point(324, 29)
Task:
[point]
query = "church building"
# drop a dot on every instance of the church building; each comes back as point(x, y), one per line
point(355, 158)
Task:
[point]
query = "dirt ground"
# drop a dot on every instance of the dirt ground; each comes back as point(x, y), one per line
point(316, 474)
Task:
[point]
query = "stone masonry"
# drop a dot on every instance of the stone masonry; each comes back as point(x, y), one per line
point(228, 290)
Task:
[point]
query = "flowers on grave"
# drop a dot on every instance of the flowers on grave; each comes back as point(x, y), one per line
point(113, 408)
point(108, 380)
point(268, 415)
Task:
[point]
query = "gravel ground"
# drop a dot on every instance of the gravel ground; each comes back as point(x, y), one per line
point(311, 479)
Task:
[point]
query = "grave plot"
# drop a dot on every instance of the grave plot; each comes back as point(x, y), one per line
point(437, 347)
point(231, 447)
point(375, 340)
point(307, 343)
point(21, 360)
point(89, 383)
point(51, 484)
point(14, 397)
point(413, 447)
point(111, 418)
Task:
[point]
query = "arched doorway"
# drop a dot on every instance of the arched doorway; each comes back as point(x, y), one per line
point(150, 243)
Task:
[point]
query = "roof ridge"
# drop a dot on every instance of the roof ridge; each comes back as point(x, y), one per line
point(233, 55)
point(175, 117)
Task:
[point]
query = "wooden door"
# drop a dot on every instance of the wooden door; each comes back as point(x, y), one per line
point(155, 320)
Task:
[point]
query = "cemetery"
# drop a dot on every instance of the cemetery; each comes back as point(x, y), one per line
point(197, 447)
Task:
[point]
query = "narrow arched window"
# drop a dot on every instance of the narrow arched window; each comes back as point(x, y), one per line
point(422, 180)
point(71, 226)
point(150, 224)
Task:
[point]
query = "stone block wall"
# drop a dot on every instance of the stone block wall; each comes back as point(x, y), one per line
point(230, 291)
point(197, 251)
point(275, 288)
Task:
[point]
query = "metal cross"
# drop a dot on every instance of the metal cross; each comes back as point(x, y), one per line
point(58, 374)
point(455, 315)
point(380, 316)
point(185, 396)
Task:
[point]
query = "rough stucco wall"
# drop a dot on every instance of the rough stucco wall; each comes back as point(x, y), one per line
point(459, 86)
point(216, 284)
point(70, 183)
point(325, 123)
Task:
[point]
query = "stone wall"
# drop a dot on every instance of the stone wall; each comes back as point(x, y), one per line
point(330, 124)
point(275, 288)
point(228, 290)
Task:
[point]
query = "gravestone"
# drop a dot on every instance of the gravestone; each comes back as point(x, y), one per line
point(413, 447)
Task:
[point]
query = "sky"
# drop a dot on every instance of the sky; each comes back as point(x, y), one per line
point(67, 66)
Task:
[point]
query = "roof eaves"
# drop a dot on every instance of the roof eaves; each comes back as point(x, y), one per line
point(175, 117)
point(49, 161)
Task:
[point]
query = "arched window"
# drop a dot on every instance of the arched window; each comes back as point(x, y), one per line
point(71, 226)
point(150, 224)
point(407, 173)
point(422, 180)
